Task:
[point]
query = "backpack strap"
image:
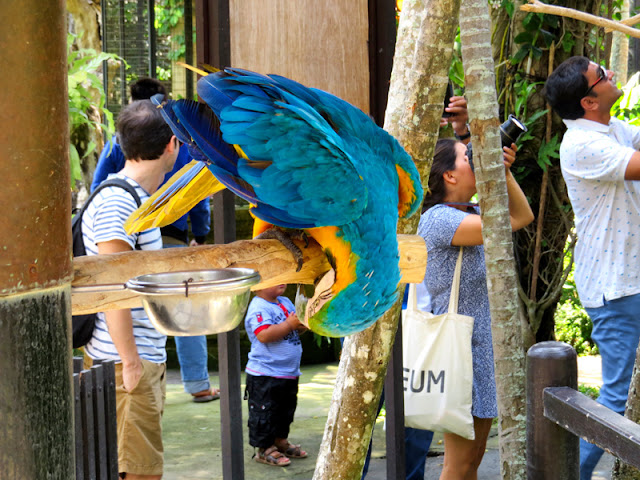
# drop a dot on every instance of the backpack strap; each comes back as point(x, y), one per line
point(113, 182)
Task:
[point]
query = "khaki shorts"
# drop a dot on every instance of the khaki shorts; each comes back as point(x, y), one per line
point(139, 415)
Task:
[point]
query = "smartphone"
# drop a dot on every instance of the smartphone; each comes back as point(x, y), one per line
point(447, 99)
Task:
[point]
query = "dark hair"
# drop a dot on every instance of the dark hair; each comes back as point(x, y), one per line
point(142, 132)
point(565, 88)
point(145, 88)
point(444, 160)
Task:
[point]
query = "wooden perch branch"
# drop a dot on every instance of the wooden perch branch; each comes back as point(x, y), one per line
point(539, 7)
point(269, 257)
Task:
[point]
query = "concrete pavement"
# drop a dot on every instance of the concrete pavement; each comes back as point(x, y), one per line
point(192, 434)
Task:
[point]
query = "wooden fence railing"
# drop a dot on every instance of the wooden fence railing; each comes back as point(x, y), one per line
point(558, 415)
point(95, 420)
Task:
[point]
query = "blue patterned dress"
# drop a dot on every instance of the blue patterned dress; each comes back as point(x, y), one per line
point(438, 226)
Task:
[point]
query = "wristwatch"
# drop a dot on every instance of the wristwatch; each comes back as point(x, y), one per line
point(463, 136)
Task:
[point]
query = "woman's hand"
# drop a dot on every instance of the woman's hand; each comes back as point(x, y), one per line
point(459, 115)
point(509, 155)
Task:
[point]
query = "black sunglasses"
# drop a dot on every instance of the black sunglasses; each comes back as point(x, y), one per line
point(602, 75)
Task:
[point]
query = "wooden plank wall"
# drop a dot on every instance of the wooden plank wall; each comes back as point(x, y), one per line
point(319, 43)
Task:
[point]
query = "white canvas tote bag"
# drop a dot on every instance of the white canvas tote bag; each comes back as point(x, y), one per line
point(437, 366)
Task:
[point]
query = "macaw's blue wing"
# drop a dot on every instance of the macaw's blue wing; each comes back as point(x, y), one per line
point(298, 166)
point(356, 128)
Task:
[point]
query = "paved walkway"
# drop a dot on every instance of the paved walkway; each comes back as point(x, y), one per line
point(192, 433)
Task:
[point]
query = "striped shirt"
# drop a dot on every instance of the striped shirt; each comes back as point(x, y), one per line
point(103, 221)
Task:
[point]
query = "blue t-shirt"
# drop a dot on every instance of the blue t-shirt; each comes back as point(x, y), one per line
point(280, 359)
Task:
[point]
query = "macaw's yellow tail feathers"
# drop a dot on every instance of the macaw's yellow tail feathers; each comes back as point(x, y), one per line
point(188, 186)
point(204, 71)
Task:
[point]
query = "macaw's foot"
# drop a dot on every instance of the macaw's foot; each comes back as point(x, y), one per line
point(286, 238)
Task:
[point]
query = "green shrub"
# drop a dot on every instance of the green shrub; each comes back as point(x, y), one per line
point(86, 102)
point(572, 324)
point(592, 392)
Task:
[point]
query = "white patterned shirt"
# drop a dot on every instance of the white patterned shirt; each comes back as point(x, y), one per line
point(593, 158)
point(102, 221)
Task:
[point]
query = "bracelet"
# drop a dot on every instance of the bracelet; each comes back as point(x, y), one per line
point(464, 136)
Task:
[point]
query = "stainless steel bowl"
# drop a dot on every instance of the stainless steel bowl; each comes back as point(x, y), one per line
point(198, 302)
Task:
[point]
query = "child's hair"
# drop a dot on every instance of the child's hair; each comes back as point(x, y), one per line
point(145, 88)
point(142, 132)
point(444, 160)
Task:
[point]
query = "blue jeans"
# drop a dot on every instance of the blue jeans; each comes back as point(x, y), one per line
point(616, 332)
point(416, 447)
point(192, 356)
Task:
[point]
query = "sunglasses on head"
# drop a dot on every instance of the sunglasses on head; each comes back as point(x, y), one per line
point(602, 75)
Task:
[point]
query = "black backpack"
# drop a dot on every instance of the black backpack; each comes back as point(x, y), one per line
point(83, 325)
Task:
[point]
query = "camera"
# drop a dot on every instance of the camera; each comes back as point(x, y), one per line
point(511, 130)
point(447, 100)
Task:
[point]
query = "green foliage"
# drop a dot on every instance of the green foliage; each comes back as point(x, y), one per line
point(548, 150)
point(83, 83)
point(572, 324)
point(627, 107)
point(168, 14)
point(456, 70)
point(592, 392)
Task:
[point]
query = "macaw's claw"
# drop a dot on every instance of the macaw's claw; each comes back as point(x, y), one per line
point(286, 239)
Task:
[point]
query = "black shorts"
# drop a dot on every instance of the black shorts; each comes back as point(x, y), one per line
point(272, 404)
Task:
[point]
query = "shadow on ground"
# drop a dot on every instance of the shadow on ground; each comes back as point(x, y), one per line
point(192, 440)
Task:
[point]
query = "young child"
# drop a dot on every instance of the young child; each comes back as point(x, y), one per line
point(272, 375)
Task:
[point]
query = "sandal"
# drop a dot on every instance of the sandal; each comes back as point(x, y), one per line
point(271, 456)
point(206, 395)
point(293, 451)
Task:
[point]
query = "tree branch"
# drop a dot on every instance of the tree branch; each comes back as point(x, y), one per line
point(539, 7)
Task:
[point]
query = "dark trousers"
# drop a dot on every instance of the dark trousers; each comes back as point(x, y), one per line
point(272, 404)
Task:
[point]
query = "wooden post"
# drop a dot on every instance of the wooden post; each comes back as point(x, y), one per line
point(213, 48)
point(552, 451)
point(36, 408)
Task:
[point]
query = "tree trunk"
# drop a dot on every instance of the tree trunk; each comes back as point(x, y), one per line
point(509, 359)
point(623, 471)
point(619, 59)
point(36, 404)
point(86, 17)
point(418, 81)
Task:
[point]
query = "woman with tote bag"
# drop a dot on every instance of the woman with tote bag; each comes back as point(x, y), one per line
point(449, 222)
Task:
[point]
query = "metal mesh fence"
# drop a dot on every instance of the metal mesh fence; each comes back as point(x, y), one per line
point(130, 30)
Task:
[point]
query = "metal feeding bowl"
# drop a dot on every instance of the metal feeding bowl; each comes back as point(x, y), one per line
point(198, 302)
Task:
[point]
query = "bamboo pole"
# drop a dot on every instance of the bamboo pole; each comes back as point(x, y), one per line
point(272, 260)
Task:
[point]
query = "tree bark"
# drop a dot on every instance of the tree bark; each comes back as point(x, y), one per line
point(509, 358)
point(623, 471)
point(619, 59)
point(418, 81)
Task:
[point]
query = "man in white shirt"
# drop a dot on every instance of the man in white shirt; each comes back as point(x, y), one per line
point(127, 336)
point(601, 166)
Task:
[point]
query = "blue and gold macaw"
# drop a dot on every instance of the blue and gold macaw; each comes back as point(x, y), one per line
point(303, 159)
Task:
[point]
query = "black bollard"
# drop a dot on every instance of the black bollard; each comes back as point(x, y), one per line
point(552, 451)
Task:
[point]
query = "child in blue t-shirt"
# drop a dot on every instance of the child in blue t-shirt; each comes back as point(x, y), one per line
point(272, 372)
